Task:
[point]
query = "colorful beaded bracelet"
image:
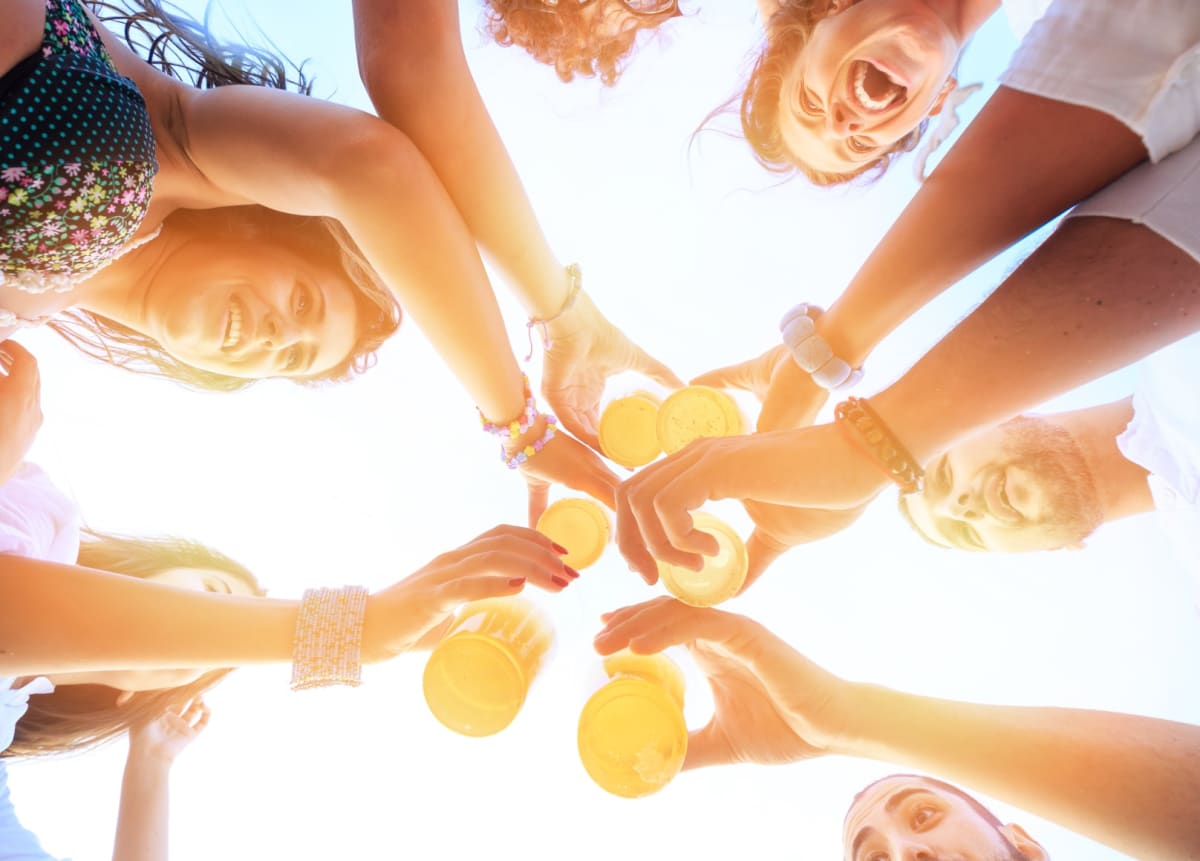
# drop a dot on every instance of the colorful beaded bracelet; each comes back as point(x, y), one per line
point(867, 432)
point(518, 426)
point(812, 352)
point(533, 448)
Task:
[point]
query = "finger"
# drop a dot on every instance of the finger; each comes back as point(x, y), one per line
point(596, 480)
point(655, 625)
point(478, 587)
point(581, 424)
point(540, 566)
point(435, 634)
point(500, 537)
point(651, 367)
point(761, 551)
point(631, 543)
point(729, 377)
point(539, 498)
point(707, 746)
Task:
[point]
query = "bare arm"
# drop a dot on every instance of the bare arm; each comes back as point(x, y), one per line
point(1128, 781)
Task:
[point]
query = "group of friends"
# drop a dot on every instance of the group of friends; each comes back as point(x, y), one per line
point(211, 230)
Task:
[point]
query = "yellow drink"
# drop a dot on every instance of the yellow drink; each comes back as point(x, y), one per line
point(629, 430)
point(478, 676)
point(722, 575)
point(695, 412)
point(632, 736)
point(581, 526)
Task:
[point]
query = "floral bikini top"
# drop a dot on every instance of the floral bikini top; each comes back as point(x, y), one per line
point(77, 159)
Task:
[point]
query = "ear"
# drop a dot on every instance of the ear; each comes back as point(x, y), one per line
point(123, 698)
point(947, 89)
point(1026, 844)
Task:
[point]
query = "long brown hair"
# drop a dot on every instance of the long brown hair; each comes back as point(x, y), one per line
point(78, 717)
point(187, 50)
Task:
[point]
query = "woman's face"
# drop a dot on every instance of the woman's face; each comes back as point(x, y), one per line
point(867, 77)
point(249, 309)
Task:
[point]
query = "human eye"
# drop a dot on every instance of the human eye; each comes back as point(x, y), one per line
point(859, 144)
point(301, 300)
point(809, 102)
point(922, 815)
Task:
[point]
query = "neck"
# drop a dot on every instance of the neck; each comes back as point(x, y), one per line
point(118, 291)
point(964, 17)
point(1120, 483)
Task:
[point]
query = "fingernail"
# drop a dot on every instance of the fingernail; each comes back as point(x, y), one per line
point(560, 581)
point(561, 550)
point(517, 581)
point(571, 571)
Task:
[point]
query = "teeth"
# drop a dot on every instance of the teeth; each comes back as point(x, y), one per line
point(233, 332)
point(865, 99)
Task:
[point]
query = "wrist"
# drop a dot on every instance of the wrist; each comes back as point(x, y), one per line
point(860, 734)
point(842, 331)
point(148, 761)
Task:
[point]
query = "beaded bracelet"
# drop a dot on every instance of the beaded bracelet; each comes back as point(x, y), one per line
point(517, 426)
point(867, 432)
point(575, 284)
point(533, 448)
point(812, 352)
point(327, 649)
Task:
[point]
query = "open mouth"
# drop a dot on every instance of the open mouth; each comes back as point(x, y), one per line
point(233, 326)
point(873, 89)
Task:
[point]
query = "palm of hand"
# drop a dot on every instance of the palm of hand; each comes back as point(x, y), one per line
point(747, 724)
point(575, 367)
point(165, 737)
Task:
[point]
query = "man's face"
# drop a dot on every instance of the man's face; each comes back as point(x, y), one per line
point(906, 818)
point(1021, 486)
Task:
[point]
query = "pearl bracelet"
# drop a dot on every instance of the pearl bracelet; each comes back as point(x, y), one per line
point(812, 352)
point(327, 649)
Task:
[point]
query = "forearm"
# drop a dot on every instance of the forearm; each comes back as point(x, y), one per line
point(1096, 296)
point(412, 63)
point(1022, 161)
point(142, 819)
point(107, 621)
point(1130, 782)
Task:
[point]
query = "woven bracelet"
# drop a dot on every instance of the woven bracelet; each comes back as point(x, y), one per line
point(867, 432)
point(327, 649)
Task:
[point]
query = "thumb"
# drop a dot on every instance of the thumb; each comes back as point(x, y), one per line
point(707, 746)
point(476, 588)
point(729, 377)
point(651, 367)
point(761, 551)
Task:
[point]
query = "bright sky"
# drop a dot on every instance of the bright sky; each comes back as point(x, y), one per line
point(696, 253)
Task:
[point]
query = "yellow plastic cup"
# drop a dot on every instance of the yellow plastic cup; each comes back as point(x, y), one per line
point(694, 412)
point(478, 676)
point(722, 576)
point(629, 430)
point(581, 526)
point(632, 736)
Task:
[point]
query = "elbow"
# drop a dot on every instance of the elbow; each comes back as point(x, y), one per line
point(399, 75)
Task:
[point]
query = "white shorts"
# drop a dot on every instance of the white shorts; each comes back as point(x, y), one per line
point(1164, 196)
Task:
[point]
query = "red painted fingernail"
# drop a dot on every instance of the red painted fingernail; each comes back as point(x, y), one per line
point(562, 550)
point(517, 581)
point(560, 581)
point(571, 571)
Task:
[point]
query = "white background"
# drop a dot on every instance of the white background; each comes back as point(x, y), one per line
point(695, 252)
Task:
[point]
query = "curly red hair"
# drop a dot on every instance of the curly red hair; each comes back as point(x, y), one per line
point(565, 34)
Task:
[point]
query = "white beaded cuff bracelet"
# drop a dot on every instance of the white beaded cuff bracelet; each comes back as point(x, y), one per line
point(812, 352)
point(327, 649)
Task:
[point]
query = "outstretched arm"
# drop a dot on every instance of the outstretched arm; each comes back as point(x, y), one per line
point(412, 62)
point(144, 812)
point(1128, 781)
point(1023, 160)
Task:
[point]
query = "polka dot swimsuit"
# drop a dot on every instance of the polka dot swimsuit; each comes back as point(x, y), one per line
point(77, 159)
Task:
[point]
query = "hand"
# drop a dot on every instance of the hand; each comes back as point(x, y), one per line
point(807, 468)
point(779, 528)
point(20, 406)
point(771, 704)
point(415, 612)
point(585, 350)
point(163, 738)
point(567, 462)
point(789, 396)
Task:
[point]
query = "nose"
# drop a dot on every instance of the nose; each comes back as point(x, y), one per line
point(912, 851)
point(959, 504)
point(842, 119)
point(277, 332)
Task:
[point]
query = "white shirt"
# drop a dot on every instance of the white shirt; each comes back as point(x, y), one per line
point(1164, 437)
point(1136, 60)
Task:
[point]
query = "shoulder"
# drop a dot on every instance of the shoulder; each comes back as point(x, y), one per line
point(22, 32)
